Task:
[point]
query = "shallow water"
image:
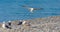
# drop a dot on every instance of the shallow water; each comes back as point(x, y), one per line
point(12, 10)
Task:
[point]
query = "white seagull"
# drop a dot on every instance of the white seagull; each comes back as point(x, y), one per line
point(32, 9)
point(3, 25)
point(24, 22)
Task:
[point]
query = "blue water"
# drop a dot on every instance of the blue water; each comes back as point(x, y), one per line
point(12, 10)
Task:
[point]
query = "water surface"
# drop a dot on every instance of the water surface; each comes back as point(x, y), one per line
point(12, 10)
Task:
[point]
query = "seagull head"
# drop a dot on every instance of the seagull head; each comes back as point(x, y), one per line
point(9, 21)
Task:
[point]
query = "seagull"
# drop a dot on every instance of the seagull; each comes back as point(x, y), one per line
point(9, 23)
point(24, 22)
point(3, 25)
point(20, 22)
point(32, 9)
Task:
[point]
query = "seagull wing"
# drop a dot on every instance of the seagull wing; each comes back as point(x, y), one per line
point(38, 8)
point(25, 6)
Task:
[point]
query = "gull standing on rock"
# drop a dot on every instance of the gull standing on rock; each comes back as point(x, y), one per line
point(26, 23)
point(20, 22)
point(3, 25)
point(32, 9)
point(9, 23)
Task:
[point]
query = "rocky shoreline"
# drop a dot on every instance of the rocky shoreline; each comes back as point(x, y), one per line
point(47, 24)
